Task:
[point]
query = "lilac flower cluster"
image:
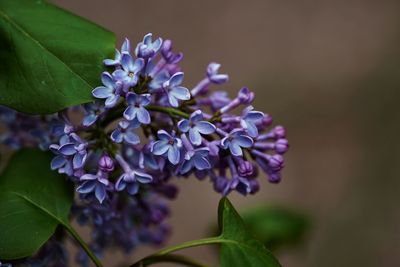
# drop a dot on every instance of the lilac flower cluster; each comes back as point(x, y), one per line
point(144, 128)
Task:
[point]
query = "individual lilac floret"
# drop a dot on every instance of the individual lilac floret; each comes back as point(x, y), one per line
point(130, 179)
point(212, 77)
point(168, 144)
point(194, 158)
point(235, 141)
point(196, 125)
point(92, 112)
point(129, 74)
point(249, 120)
point(244, 97)
point(95, 183)
point(110, 91)
point(70, 147)
point(169, 56)
point(125, 132)
point(147, 48)
point(117, 59)
point(136, 107)
point(174, 91)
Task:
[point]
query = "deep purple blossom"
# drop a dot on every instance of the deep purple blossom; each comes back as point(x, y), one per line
point(117, 58)
point(136, 107)
point(196, 126)
point(249, 120)
point(147, 48)
point(235, 141)
point(130, 179)
point(174, 91)
point(110, 90)
point(129, 74)
point(125, 133)
point(168, 145)
point(94, 183)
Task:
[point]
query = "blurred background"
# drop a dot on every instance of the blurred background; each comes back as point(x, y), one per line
point(329, 71)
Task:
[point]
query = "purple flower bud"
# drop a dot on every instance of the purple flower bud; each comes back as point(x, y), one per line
point(279, 132)
point(245, 96)
point(276, 162)
point(281, 146)
point(168, 55)
point(245, 168)
point(106, 163)
point(254, 186)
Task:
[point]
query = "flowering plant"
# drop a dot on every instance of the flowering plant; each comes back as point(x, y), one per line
point(119, 134)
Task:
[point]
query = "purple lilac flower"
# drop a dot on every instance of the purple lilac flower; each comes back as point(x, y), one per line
point(244, 97)
point(92, 112)
point(168, 145)
point(117, 59)
point(196, 126)
point(130, 179)
point(174, 91)
point(235, 141)
point(129, 74)
point(94, 183)
point(125, 133)
point(147, 48)
point(110, 90)
point(212, 77)
point(71, 154)
point(196, 158)
point(249, 120)
point(136, 107)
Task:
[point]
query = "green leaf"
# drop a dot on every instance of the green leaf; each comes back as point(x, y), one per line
point(240, 248)
point(276, 226)
point(50, 58)
point(33, 201)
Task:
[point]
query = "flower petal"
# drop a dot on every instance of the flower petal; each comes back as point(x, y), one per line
point(133, 188)
point(102, 92)
point(107, 80)
point(235, 149)
point(160, 147)
point(130, 113)
point(143, 115)
point(183, 125)
point(143, 178)
point(173, 101)
point(120, 184)
point(176, 79)
point(117, 136)
point(254, 116)
point(243, 141)
point(180, 93)
point(86, 187)
point(79, 160)
point(67, 149)
point(205, 127)
point(195, 136)
point(100, 192)
point(174, 154)
point(131, 138)
point(111, 101)
point(201, 163)
point(57, 162)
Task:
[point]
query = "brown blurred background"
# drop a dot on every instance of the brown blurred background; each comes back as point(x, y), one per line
point(327, 70)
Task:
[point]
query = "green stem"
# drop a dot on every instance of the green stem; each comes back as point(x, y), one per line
point(189, 244)
point(169, 258)
point(168, 110)
point(83, 244)
point(162, 253)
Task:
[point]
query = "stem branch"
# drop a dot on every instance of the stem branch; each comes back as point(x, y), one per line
point(83, 244)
